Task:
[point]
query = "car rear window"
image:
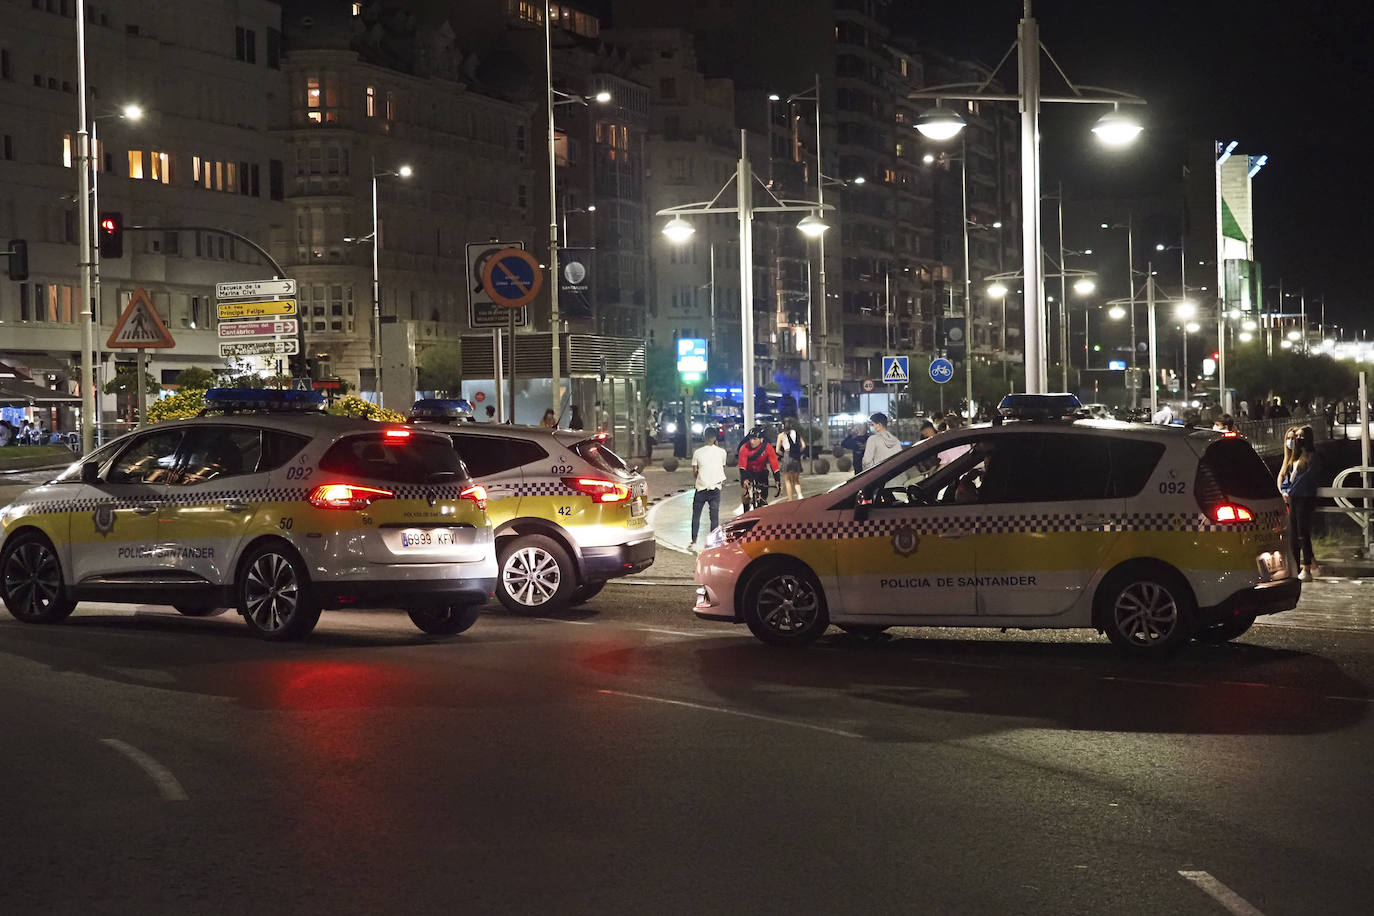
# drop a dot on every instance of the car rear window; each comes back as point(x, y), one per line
point(1231, 468)
point(278, 448)
point(487, 455)
point(596, 453)
point(416, 459)
point(1133, 461)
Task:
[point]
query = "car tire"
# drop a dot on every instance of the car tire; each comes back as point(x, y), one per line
point(31, 581)
point(535, 575)
point(1225, 632)
point(445, 619)
point(1146, 611)
point(274, 593)
point(783, 605)
point(195, 610)
point(586, 592)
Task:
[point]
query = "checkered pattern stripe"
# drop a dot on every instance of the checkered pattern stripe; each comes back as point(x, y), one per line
point(544, 488)
point(413, 491)
point(169, 497)
point(1004, 524)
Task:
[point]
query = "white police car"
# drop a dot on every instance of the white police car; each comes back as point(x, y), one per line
point(269, 506)
point(569, 513)
point(1151, 535)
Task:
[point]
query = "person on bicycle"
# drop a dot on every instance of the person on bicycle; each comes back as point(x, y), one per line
point(756, 458)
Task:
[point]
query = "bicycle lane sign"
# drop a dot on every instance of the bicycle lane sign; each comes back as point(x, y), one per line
point(941, 370)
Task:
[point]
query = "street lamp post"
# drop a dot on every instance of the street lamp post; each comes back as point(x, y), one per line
point(1114, 128)
point(678, 230)
point(83, 148)
point(402, 172)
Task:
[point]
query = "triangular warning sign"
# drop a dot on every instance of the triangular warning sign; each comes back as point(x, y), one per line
point(894, 371)
point(140, 327)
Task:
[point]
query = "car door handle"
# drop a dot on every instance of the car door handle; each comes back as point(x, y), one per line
point(954, 533)
point(145, 509)
point(237, 506)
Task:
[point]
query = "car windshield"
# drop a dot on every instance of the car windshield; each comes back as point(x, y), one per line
point(602, 457)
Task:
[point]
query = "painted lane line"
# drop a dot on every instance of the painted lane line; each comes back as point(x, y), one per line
point(161, 776)
point(732, 712)
point(1222, 894)
point(684, 633)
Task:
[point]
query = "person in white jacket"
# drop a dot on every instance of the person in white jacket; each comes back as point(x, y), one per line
point(882, 444)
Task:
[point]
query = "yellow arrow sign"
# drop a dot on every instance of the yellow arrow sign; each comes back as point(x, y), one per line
point(257, 309)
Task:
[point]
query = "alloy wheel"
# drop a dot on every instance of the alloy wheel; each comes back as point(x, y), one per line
point(1146, 613)
point(271, 592)
point(788, 604)
point(33, 579)
point(531, 576)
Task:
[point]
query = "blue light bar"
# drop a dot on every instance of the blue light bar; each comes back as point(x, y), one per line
point(263, 399)
point(440, 409)
point(1039, 406)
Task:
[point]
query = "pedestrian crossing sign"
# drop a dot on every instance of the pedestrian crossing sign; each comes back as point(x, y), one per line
point(140, 327)
point(895, 370)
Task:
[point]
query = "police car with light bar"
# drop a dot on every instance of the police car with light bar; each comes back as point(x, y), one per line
point(1151, 535)
point(569, 514)
point(262, 503)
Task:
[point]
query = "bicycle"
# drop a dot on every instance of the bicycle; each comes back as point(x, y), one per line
point(754, 493)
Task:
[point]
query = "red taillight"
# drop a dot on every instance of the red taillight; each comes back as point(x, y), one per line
point(477, 493)
point(1230, 434)
point(397, 435)
point(1231, 513)
point(601, 491)
point(346, 496)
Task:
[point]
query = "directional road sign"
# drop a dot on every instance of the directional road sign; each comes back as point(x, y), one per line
point(483, 312)
point(233, 330)
point(257, 309)
point(895, 370)
point(941, 370)
point(140, 327)
point(512, 277)
point(285, 346)
point(256, 289)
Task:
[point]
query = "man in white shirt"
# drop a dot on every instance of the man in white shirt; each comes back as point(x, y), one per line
point(1164, 416)
point(708, 468)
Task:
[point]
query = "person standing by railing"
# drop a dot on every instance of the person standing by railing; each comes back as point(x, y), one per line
point(1298, 481)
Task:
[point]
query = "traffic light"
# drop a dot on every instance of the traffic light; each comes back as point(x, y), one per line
point(111, 235)
point(18, 259)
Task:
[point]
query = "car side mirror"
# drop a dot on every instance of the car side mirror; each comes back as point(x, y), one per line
point(863, 502)
point(90, 473)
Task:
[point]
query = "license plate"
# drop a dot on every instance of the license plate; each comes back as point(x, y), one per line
point(440, 538)
point(637, 506)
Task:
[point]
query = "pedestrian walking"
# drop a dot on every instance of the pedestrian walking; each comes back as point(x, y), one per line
point(708, 471)
point(790, 448)
point(882, 444)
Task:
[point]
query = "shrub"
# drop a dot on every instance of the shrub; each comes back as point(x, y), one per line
point(185, 404)
point(353, 406)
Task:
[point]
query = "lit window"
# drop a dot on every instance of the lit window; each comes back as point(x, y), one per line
point(357, 9)
point(67, 150)
point(195, 170)
point(390, 106)
point(158, 164)
point(372, 101)
point(135, 163)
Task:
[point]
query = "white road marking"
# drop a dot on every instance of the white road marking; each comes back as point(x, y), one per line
point(1222, 894)
point(684, 633)
point(162, 777)
point(733, 712)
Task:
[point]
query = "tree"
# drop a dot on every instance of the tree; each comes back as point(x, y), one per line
point(125, 382)
point(440, 369)
point(1293, 377)
point(661, 381)
point(196, 377)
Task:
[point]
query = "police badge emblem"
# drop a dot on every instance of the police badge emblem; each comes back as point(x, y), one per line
point(104, 519)
point(905, 541)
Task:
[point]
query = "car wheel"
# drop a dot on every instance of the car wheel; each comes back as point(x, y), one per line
point(586, 592)
point(784, 606)
point(31, 579)
point(195, 610)
point(446, 619)
point(274, 594)
point(1147, 612)
point(1225, 632)
point(536, 575)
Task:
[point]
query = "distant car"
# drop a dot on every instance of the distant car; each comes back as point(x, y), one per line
point(1096, 411)
point(273, 508)
point(569, 513)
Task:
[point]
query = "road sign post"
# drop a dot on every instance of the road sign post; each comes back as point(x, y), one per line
point(512, 278)
point(140, 328)
point(258, 318)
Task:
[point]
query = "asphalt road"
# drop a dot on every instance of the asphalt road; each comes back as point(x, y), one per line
point(630, 759)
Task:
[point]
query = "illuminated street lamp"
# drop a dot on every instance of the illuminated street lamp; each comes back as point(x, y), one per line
point(403, 171)
point(1114, 128)
point(679, 229)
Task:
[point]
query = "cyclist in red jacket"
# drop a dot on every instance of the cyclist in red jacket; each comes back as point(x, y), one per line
point(756, 458)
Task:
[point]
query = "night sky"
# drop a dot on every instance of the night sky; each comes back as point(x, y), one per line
point(1284, 78)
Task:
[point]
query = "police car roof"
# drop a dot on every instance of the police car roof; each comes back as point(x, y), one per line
point(310, 424)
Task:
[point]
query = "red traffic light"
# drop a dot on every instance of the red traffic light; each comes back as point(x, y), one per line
point(1216, 354)
point(111, 235)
